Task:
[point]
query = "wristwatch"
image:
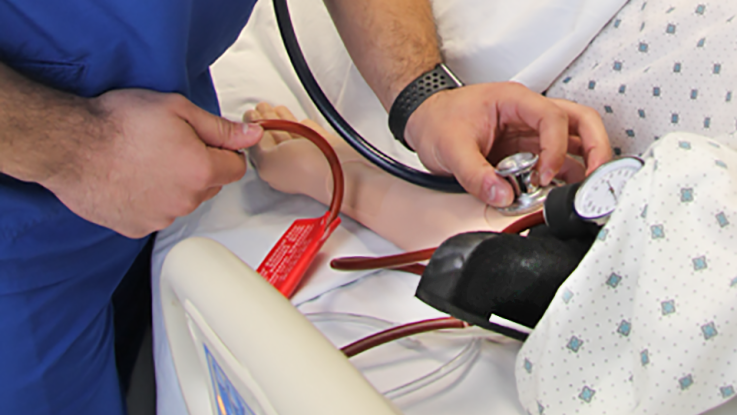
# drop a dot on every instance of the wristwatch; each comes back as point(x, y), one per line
point(414, 94)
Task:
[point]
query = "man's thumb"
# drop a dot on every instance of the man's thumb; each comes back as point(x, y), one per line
point(221, 133)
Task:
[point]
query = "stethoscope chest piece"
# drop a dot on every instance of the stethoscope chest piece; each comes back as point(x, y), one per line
point(519, 170)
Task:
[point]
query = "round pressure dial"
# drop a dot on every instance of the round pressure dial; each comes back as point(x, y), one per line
point(598, 195)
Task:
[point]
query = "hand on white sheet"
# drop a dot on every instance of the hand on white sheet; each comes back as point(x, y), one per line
point(460, 131)
point(158, 157)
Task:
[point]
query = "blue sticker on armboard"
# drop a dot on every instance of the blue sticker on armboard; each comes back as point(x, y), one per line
point(227, 398)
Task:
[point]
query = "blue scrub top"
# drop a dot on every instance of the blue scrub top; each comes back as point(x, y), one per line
point(58, 271)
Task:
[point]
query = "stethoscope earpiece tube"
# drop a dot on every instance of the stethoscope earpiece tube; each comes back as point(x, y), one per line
point(341, 126)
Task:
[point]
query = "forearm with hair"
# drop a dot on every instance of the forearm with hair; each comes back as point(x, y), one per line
point(44, 133)
point(392, 42)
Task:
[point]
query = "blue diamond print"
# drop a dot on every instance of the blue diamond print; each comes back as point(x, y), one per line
point(671, 28)
point(622, 89)
point(707, 122)
point(733, 283)
point(643, 214)
point(567, 295)
point(721, 164)
point(587, 394)
point(617, 22)
point(713, 144)
point(642, 47)
point(567, 79)
point(717, 68)
point(657, 231)
point(722, 219)
point(668, 307)
point(684, 145)
point(625, 327)
point(644, 357)
point(728, 98)
point(699, 263)
point(643, 6)
point(694, 93)
point(608, 109)
point(687, 194)
point(592, 84)
point(685, 382)
point(700, 9)
point(670, 10)
point(674, 118)
point(617, 151)
point(727, 391)
point(655, 165)
point(630, 133)
point(641, 113)
point(730, 19)
point(574, 344)
point(540, 408)
point(656, 91)
point(709, 330)
point(617, 66)
point(528, 366)
point(642, 26)
point(613, 280)
point(701, 42)
point(677, 67)
point(602, 234)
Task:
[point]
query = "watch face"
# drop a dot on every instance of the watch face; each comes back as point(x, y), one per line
point(598, 195)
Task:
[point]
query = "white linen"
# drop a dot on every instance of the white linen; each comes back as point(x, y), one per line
point(482, 42)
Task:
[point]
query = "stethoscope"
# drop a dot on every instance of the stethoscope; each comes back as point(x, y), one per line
point(340, 125)
point(589, 202)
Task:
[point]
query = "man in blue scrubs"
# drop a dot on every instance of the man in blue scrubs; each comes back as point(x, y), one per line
point(109, 131)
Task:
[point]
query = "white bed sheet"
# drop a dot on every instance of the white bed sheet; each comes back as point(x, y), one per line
point(483, 41)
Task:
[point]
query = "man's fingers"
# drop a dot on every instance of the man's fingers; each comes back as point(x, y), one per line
point(551, 122)
point(267, 140)
point(586, 123)
point(476, 175)
point(210, 193)
point(221, 133)
point(572, 171)
point(226, 167)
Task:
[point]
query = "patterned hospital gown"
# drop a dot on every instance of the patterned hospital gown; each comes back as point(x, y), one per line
point(647, 323)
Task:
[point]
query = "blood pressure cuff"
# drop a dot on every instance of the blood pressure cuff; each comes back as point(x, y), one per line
point(473, 276)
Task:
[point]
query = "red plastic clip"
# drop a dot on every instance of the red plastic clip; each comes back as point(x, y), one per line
point(285, 265)
point(289, 259)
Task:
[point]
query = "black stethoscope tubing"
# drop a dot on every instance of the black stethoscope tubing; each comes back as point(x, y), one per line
point(340, 125)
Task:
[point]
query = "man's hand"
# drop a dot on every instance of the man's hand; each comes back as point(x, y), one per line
point(461, 131)
point(158, 157)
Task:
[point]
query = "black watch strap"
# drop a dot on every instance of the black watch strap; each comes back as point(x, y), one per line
point(416, 93)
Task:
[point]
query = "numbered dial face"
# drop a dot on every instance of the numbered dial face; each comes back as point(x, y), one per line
point(600, 192)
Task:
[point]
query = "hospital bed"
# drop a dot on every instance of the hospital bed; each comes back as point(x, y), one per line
point(211, 316)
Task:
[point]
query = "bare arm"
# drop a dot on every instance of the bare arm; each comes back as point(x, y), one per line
point(458, 131)
point(131, 160)
point(44, 132)
point(392, 42)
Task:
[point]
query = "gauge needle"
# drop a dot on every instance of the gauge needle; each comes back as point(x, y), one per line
point(611, 190)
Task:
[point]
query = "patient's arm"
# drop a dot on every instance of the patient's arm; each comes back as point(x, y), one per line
point(410, 216)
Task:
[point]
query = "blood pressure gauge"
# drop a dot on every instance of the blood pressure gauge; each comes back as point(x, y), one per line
point(580, 208)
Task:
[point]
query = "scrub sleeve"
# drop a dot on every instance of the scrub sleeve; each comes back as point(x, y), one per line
point(58, 272)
